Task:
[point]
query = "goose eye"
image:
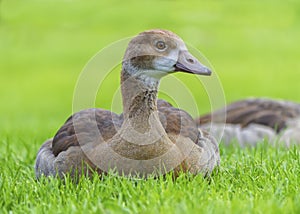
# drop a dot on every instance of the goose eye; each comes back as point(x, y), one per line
point(161, 45)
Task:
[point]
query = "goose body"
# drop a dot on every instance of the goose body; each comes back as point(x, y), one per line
point(252, 120)
point(150, 137)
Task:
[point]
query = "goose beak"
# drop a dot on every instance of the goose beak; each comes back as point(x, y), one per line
point(188, 63)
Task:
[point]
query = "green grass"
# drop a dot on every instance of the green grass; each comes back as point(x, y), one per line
point(261, 180)
point(253, 46)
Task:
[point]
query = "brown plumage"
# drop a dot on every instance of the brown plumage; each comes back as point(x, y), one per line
point(251, 120)
point(150, 137)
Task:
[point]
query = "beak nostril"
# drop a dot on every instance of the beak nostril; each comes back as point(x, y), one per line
point(190, 60)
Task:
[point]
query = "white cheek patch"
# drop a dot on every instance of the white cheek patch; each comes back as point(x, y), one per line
point(156, 74)
point(151, 77)
point(166, 63)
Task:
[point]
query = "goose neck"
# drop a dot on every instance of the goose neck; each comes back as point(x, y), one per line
point(139, 95)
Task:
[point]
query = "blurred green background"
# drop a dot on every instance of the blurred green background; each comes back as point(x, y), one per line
point(254, 47)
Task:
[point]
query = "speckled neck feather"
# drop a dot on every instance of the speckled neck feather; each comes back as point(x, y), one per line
point(139, 99)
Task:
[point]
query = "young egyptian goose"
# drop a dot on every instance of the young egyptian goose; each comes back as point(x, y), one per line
point(151, 137)
point(250, 121)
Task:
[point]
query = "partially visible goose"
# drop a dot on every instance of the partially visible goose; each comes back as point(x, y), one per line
point(252, 120)
point(148, 138)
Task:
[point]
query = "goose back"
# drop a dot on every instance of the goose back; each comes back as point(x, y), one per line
point(252, 120)
point(272, 113)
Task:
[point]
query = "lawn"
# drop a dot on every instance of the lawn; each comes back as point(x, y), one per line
point(253, 47)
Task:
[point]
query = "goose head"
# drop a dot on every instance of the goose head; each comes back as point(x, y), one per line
point(155, 53)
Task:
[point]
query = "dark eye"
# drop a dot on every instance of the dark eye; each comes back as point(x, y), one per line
point(160, 45)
